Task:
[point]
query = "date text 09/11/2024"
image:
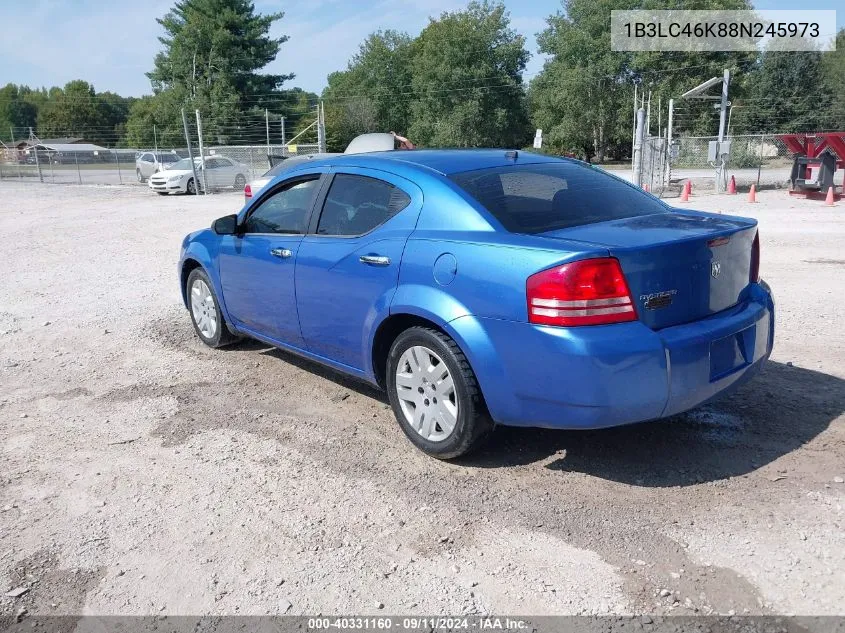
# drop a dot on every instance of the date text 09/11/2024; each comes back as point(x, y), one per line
point(413, 623)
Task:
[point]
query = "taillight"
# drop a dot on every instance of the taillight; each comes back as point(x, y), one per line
point(586, 292)
point(755, 259)
point(247, 192)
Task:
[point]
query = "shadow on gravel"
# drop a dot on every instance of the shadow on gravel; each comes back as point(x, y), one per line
point(313, 367)
point(779, 411)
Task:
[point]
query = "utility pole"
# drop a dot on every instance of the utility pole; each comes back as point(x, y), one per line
point(668, 174)
point(321, 128)
point(202, 156)
point(648, 116)
point(726, 80)
point(634, 131)
point(284, 142)
point(190, 153)
point(155, 140)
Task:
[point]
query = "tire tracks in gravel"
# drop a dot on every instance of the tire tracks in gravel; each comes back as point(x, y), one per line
point(559, 483)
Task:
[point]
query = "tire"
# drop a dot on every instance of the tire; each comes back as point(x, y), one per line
point(464, 408)
point(139, 175)
point(240, 182)
point(207, 318)
point(191, 188)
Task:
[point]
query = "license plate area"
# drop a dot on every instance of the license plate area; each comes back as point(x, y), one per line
point(731, 353)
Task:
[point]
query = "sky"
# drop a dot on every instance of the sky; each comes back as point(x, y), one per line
point(111, 43)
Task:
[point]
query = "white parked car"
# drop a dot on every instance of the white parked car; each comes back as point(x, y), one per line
point(220, 173)
point(148, 163)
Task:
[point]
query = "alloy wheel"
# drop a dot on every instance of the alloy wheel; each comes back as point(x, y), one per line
point(203, 308)
point(426, 393)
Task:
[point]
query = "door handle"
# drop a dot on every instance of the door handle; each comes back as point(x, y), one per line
point(284, 253)
point(374, 260)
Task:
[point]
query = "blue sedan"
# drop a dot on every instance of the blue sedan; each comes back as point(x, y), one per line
point(484, 287)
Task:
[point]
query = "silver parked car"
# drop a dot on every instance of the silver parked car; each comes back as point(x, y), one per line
point(149, 163)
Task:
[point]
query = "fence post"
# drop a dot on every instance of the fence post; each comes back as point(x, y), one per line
point(638, 148)
point(202, 156)
point(78, 172)
point(190, 153)
point(267, 130)
point(760, 162)
point(37, 161)
point(117, 160)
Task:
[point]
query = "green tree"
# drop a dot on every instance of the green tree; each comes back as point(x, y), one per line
point(212, 52)
point(15, 111)
point(833, 79)
point(466, 81)
point(77, 110)
point(583, 98)
point(789, 94)
point(371, 95)
point(577, 99)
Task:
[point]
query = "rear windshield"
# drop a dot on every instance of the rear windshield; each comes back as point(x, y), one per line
point(549, 196)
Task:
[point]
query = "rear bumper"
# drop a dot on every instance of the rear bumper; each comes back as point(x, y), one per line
point(593, 377)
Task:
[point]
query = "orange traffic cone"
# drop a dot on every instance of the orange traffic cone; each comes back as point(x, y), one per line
point(752, 195)
point(685, 193)
point(732, 186)
point(828, 201)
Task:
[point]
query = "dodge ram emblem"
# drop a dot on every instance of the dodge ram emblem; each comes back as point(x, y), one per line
point(715, 269)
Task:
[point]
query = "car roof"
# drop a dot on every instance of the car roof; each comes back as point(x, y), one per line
point(443, 161)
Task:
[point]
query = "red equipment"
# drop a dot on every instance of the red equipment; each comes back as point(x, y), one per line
point(820, 153)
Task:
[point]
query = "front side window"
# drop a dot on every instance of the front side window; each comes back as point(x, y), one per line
point(285, 211)
point(536, 198)
point(357, 204)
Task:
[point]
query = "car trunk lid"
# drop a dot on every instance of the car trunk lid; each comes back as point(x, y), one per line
point(680, 266)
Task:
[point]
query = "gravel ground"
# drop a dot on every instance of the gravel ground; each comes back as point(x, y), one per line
point(142, 473)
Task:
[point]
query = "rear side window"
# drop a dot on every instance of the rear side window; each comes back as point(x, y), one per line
point(357, 204)
point(546, 197)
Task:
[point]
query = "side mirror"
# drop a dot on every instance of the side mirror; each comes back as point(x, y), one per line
point(227, 225)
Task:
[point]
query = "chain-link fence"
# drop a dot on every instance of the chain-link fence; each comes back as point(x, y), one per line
point(229, 152)
point(761, 159)
point(135, 166)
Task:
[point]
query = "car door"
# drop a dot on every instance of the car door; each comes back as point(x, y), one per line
point(212, 170)
point(224, 172)
point(147, 166)
point(257, 264)
point(348, 265)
